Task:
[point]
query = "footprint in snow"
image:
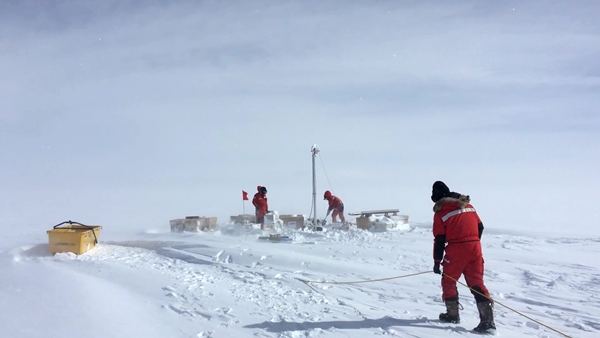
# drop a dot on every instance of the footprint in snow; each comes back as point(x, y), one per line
point(179, 311)
point(205, 334)
point(223, 310)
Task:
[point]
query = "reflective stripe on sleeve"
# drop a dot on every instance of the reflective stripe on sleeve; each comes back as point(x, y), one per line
point(456, 212)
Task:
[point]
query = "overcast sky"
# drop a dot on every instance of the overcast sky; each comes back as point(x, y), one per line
point(131, 113)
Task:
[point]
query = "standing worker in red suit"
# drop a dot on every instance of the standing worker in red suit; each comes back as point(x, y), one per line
point(261, 204)
point(336, 205)
point(456, 223)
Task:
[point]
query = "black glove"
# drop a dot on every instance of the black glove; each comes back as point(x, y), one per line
point(436, 268)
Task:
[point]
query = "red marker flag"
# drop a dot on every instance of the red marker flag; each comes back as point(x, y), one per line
point(244, 195)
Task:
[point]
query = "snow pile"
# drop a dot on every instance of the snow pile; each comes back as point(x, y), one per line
point(350, 235)
point(388, 223)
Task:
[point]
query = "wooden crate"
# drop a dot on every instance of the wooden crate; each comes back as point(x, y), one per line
point(363, 223)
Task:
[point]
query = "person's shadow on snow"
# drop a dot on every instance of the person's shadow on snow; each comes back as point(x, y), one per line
point(383, 323)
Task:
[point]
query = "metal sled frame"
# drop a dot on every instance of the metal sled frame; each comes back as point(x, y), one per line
point(385, 212)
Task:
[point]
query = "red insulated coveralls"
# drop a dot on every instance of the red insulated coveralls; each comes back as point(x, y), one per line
point(337, 206)
point(456, 223)
point(260, 203)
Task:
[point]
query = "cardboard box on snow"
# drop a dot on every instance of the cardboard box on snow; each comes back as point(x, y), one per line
point(197, 223)
point(73, 238)
point(363, 223)
point(193, 224)
point(241, 218)
point(176, 225)
point(292, 221)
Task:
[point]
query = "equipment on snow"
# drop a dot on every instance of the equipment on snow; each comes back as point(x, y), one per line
point(381, 220)
point(193, 224)
point(314, 151)
point(276, 238)
point(314, 224)
point(241, 225)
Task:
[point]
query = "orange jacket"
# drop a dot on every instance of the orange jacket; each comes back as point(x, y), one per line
point(334, 202)
point(454, 221)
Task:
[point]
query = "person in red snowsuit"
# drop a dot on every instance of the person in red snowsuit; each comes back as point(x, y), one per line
point(261, 205)
point(336, 205)
point(457, 231)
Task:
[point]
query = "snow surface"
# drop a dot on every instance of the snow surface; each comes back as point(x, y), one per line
point(153, 283)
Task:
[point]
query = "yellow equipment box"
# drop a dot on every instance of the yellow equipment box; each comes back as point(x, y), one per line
point(74, 237)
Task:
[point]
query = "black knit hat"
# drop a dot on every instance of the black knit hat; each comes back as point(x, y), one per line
point(439, 191)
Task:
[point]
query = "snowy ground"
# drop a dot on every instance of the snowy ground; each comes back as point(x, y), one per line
point(159, 284)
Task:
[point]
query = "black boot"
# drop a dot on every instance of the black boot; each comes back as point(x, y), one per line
point(451, 315)
point(486, 316)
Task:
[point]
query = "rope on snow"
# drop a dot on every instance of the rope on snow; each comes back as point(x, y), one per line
point(424, 272)
point(361, 281)
point(511, 309)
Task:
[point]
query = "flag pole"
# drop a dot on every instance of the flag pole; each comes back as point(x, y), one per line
point(244, 198)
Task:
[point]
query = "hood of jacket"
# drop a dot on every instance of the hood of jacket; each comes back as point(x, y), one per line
point(462, 201)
